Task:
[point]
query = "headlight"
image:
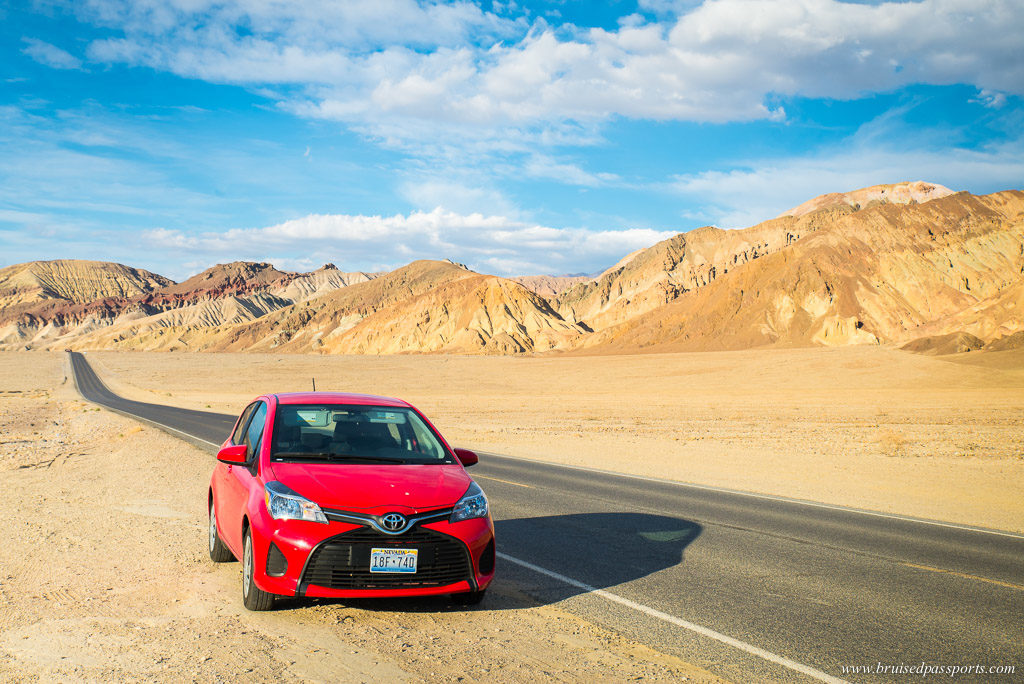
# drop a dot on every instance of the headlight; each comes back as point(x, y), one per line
point(473, 504)
point(284, 504)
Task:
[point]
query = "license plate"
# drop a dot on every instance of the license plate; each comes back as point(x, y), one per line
point(393, 560)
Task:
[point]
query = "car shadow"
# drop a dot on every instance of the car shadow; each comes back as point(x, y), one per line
point(595, 550)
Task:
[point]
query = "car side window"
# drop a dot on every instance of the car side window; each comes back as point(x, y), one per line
point(243, 423)
point(254, 433)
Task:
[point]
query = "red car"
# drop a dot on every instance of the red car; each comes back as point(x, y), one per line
point(347, 495)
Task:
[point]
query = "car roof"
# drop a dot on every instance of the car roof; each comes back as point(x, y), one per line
point(338, 398)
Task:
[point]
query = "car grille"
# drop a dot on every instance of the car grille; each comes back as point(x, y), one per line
point(343, 562)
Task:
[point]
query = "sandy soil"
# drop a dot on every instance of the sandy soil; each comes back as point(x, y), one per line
point(870, 427)
point(104, 576)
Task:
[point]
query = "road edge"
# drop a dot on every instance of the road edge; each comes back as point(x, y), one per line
point(202, 444)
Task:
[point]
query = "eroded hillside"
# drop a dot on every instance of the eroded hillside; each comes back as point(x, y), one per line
point(74, 281)
point(427, 306)
point(890, 273)
point(222, 295)
point(886, 264)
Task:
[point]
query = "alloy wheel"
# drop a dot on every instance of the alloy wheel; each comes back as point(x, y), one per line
point(213, 528)
point(246, 566)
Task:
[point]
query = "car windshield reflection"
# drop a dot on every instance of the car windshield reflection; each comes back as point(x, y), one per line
point(354, 434)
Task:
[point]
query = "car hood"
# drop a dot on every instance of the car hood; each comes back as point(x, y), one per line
point(366, 487)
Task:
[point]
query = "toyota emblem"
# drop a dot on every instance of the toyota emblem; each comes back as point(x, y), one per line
point(393, 521)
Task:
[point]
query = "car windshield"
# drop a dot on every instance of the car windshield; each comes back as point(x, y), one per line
point(354, 434)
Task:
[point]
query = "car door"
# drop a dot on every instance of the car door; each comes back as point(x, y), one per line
point(221, 486)
point(237, 480)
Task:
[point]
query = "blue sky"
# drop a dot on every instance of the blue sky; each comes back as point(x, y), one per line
point(515, 137)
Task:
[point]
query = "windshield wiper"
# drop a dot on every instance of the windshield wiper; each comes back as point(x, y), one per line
point(332, 456)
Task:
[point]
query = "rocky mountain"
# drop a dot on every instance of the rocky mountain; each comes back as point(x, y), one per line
point(865, 198)
point(889, 273)
point(222, 295)
point(427, 306)
point(74, 281)
point(547, 285)
point(909, 264)
point(653, 277)
point(478, 313)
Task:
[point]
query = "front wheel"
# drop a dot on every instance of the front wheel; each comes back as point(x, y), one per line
point(253, 597)
point(219, 553)
point(469, 598)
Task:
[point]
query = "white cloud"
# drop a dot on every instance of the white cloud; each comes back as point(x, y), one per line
point(468, 91)
point(50, 55)
point(544, 166)
point(488, 243)
point(382, 65)
point(760, 189)
point(457, 196)
point(990, 99)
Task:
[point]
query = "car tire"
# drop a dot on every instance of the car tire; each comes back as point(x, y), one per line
point(219, 553)
point(253, 597)
point(469, 598)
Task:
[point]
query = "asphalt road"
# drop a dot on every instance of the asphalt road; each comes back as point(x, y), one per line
point(751, 587)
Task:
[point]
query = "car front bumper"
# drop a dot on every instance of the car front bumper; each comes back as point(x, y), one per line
point(332, 560)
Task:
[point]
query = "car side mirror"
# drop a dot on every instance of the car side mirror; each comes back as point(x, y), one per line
point(236, 454)
point(467, 457)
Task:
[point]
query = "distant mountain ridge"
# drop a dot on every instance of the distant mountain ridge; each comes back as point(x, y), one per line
point(549, 286)
point(912, 264)
point(221, 295)
point(73, 281)
point(898, 193)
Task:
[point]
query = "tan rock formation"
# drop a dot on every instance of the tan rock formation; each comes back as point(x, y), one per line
point(479, 313)
point(427, 306)
point(1007, 343)
point(897, 193)
point(891, 273)
point(223, 295)
point(650, 278)
point(939, 345)
point(73, 280)
point(549, 286)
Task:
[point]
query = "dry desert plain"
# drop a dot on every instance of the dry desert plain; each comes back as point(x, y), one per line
point(870, 427)
point(105, 576)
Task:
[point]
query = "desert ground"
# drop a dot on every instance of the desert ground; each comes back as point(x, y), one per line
point(104, 576)
point(870, 427)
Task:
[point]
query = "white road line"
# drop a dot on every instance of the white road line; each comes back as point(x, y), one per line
point(125, 413)
point(180, 432)
point(769, 497)
point(153, 422)
point(703, 631)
